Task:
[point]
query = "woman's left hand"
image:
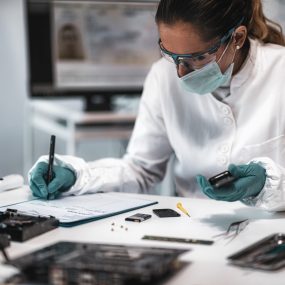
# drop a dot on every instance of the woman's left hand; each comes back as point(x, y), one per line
point(249, 181)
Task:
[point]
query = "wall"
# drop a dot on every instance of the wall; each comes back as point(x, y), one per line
point(13, 95)
point(12, 86)
point(275, 9)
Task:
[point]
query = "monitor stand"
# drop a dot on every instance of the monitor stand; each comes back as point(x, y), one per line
point(98, 103)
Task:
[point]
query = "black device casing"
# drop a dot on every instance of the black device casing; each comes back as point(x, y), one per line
point(221, 179)
point(22, 227)
point(165, 213)
point(138, 218)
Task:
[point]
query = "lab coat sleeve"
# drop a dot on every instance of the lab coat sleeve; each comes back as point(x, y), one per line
point(272, 196)
point(98, 176)
point(146, 159)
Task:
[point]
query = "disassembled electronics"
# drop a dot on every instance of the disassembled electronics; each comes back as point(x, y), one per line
point(4, 242)
point(81, 263)
point(180, 240)
point(138, 218)
point(22, 227)
point(165, 213)
point(221, 179)
point(266, 254)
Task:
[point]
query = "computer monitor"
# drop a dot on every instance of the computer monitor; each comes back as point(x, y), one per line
point(90, 48)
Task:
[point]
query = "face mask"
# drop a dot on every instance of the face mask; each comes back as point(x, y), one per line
point(207, 79)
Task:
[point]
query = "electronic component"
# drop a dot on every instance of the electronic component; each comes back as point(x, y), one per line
point(138, 217)
point(266, 254)
point(22, 227)
point(221, 179)
point(165, 213)
point(4, 242)
point(181, 240)
point(93, 264)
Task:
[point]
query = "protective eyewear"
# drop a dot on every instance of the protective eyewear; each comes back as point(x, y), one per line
point(197, 60)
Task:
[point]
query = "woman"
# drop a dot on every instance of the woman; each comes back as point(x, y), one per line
point(214, 101)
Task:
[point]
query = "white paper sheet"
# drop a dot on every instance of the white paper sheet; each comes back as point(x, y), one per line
point(80, 208)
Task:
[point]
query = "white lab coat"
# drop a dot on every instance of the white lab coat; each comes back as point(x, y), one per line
point(204, 134)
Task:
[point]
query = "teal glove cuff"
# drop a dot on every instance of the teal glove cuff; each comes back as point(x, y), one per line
point(63, 180)
point(250, 180)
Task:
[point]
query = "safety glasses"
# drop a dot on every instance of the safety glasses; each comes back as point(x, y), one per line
point(197, 60)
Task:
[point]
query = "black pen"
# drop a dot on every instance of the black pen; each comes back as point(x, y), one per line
point(50, 161)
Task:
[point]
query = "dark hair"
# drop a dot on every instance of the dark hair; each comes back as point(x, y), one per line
point(214, 18)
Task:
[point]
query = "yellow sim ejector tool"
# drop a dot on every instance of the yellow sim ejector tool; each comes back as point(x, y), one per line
point(182, 209)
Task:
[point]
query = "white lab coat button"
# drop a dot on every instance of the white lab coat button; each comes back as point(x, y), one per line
point(228, 121)
point(222, 160)
point(224, 148)
point(225, 111)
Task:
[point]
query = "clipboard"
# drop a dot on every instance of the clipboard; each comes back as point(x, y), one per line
point(76, 210)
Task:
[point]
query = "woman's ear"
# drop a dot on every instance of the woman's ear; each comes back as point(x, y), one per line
point(240, 36)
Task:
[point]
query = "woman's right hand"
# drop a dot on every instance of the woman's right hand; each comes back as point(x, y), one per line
point(62, 180)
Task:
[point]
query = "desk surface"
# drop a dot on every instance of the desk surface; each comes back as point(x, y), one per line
point(207, 264)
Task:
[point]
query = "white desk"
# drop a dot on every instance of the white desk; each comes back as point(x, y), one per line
point(69, 122)
point(208, 264)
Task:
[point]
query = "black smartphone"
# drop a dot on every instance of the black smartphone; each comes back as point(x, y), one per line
point(221, 179)
point(165, 213)
point(138, 218)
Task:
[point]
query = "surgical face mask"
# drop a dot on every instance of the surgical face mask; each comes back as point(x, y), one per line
point(208, 78)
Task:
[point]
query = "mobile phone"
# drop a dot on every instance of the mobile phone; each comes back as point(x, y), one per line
point(221, 179)
point(265, 254)
point(138, 218)
point(165, 213)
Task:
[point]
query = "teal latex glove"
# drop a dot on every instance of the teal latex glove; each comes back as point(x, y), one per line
point(63, 179)
point(250, 179)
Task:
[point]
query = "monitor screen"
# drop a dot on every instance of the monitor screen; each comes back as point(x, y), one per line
point(89, 47)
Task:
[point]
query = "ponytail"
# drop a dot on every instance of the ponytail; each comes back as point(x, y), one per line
point(261, 28)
